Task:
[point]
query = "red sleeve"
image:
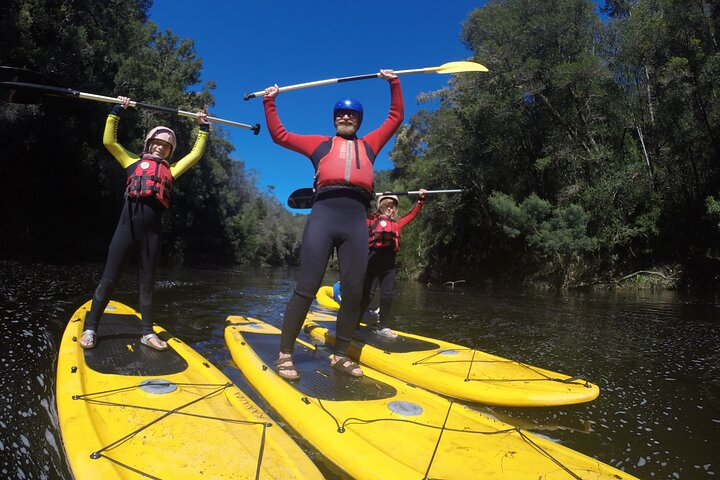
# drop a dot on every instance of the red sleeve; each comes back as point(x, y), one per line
point(411, 214)
point(378, 138)
point(304, 144)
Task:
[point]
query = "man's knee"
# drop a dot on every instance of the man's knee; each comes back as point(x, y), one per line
point(104, 289)
point(304, 294)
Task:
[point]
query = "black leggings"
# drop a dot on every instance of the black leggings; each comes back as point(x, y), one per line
point(336, 222)
point(381, 271)
point(139, 227)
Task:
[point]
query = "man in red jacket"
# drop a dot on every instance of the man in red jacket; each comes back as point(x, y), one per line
point(344, 187)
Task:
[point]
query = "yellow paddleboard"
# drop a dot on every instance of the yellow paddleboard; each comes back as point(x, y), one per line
point(378, 427)
point(127, 411)
point(454, 370)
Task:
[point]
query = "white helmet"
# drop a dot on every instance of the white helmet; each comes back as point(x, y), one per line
point(383, 197)
point(161, 133)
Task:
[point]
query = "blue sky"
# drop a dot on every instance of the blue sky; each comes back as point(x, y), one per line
point(247, 46)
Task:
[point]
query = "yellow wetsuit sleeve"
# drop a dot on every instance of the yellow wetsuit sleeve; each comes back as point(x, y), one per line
point(123, 156)
point(184, 164)
point(126, 158)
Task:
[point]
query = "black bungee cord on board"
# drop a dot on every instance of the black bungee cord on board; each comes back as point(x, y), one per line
point(472, 362)
point(88, 397)
point(443, 428)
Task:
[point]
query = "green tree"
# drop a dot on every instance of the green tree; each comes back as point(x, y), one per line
point(555, 237)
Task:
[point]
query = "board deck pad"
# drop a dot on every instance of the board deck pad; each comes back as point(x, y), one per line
point(401, 344)
point(317, 378)
point(118, 350)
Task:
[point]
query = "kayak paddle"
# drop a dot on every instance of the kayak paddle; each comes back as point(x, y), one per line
point(450, 67)
point(24, 92)
point(303, 198)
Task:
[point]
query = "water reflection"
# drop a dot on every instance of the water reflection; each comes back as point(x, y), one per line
point(654, 356)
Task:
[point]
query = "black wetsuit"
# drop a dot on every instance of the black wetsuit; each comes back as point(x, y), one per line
point(139, 228)
point(336, 221)
point(381, 271)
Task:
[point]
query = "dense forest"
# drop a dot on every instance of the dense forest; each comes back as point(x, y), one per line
point(590, 151)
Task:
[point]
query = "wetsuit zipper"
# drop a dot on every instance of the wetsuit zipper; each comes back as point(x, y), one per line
point(349, 157)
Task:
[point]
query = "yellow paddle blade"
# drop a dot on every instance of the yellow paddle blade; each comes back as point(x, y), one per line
point(458, 67)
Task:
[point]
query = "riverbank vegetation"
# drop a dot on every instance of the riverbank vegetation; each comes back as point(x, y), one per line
point(589, 154)
point(591, 150)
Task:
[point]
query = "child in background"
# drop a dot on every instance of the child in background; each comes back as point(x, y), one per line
point(385, 229)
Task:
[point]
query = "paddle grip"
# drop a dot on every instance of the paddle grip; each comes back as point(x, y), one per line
point(358, 77)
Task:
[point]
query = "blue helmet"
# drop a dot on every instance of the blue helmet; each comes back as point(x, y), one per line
point(348, 104)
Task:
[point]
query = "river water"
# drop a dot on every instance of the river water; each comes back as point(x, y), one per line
point(654, 355)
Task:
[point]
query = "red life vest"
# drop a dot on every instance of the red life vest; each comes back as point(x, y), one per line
point(347, 163)
point(151, 178)
point(384, 232)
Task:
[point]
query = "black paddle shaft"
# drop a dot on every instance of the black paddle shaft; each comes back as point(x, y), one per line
point(17, 93)
point(304, 198)
point(69, 92)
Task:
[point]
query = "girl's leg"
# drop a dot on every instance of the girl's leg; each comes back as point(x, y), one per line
point(119, 247)
point(149, 249)
point(369, 286)
point(387, 290)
